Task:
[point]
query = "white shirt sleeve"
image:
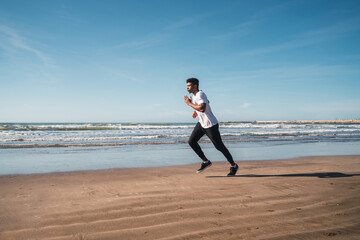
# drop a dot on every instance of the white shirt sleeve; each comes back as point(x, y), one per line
point(202, 98)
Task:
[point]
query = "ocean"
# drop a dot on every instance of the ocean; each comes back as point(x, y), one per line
point(54, 147)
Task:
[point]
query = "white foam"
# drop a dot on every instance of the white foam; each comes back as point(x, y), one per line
point(87, 133)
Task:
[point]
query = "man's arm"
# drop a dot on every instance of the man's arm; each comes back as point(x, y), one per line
point(201, 107)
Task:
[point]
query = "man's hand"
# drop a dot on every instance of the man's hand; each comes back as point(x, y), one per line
point(194, 114)
point(187, 100)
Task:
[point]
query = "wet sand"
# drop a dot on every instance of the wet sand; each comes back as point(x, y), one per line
point(304, 198)
point(353, 121)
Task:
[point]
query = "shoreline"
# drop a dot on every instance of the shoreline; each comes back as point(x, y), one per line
point(186, 165)
point(354, 121)
point(161, 123)
point(299, 198)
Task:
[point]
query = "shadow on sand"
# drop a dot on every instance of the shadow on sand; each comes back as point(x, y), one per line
point(319, 175)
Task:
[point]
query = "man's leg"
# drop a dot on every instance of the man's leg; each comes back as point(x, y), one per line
point(193, 141)
point(214, 134)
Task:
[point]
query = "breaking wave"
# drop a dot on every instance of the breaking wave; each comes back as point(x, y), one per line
point(36, 135)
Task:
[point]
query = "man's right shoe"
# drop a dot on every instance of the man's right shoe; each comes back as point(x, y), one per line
point(204, 165)
point(233, 170)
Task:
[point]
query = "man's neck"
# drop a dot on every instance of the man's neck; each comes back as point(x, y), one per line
point(195, 92)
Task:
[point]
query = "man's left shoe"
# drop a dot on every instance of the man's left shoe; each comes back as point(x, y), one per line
point(204, 165)
point(233, 170)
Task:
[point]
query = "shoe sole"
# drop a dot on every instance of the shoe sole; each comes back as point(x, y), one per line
point(199, 171)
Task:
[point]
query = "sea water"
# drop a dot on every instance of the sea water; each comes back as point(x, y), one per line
point(53, 147)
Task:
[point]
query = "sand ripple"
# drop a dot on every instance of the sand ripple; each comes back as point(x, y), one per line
point(307, 198)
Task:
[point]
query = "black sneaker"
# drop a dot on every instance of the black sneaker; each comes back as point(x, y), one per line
point(233, 170)
point(204, 165)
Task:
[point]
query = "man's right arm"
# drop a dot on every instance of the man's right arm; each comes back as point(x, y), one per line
point(201, 107)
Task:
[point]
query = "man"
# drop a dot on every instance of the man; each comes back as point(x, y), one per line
point(207, 124)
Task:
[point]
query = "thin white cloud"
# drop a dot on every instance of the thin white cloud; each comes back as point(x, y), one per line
point(245, 105)
point(182, 23)
point(18, 42)
point(240, 30)
point(309, 38)
point(187, 21)
point(268, 12)
point(247, 27)
point(337, 108)
point(127, 77)
point(66, 13)
point(335, 31)
point(298, 73)
point(281, 47)
point(147, 42)
point(157, 39)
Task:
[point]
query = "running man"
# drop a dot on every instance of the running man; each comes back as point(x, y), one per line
point(207, 124)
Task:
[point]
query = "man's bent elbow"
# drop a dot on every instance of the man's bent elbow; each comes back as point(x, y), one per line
point(202, 108)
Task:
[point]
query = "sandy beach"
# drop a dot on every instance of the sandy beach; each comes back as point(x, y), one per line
point(304, 198)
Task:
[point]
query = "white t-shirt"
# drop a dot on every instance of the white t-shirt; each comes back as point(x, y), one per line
point(207, 118)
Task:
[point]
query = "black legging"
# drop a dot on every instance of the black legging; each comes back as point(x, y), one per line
point(214, 135)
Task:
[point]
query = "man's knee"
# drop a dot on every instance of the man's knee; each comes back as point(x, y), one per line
point(220, 146)
point(191, 142)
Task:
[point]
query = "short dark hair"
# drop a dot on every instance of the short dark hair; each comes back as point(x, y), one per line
point(194, 81)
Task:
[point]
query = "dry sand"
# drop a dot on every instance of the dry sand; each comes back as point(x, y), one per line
point(305, 198)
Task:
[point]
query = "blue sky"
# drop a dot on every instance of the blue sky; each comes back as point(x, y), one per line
point(127, 61)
